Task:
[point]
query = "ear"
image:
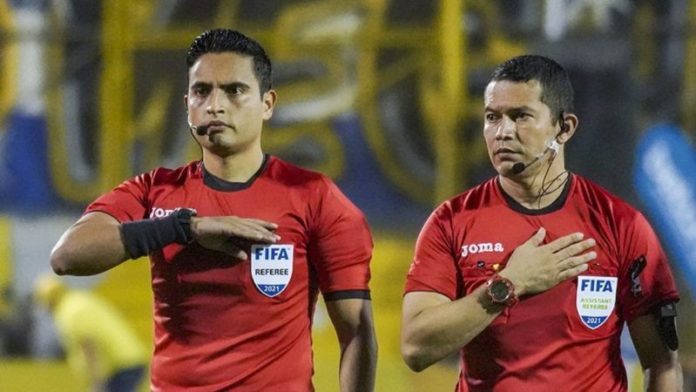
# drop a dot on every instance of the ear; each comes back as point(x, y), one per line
point(269, 99)
point(567, 128)
point(186, 102)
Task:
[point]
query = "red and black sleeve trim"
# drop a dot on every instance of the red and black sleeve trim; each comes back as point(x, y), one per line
point(347, 294)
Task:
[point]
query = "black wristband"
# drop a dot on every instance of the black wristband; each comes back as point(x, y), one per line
point(184, 215)
point(147, 235)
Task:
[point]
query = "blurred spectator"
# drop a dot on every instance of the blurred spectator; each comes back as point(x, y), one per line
point(101, 347)
point(16, 324)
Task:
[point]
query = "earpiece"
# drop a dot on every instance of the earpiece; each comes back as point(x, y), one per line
point(554, 146)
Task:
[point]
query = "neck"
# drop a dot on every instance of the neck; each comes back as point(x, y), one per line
point(235, 167)
point(539, 189)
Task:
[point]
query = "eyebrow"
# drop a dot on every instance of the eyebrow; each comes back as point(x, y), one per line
point(224, 86)
point(514, 109)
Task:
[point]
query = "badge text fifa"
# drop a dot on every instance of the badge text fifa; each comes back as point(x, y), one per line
point(598, 285)
point(271, 268)
point(595, 299)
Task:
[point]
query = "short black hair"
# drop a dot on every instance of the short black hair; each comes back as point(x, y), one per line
point(556, 89)
point(227, 40)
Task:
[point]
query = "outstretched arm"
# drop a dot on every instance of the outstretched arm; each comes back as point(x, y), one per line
point(352, 319)
point(90, 246)
point(97, 241)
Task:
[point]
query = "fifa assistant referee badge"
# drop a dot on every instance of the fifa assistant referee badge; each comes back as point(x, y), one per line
point(501, 291)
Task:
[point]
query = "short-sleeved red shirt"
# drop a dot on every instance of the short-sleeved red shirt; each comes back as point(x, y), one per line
point(564, 339)
point(226, 324)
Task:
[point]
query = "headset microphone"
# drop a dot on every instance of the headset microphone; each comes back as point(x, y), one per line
point(519, 167)
point(553, 145)
point(200, 130)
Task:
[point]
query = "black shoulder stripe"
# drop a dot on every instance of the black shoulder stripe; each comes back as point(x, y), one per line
point(347, 294)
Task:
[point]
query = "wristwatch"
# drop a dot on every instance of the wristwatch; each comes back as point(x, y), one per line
point(501, 291)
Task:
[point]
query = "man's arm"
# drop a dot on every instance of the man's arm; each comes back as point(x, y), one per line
point(352, 319)
point(660, 365)
point(95, 242)
point(433, 326)
point(90, 246)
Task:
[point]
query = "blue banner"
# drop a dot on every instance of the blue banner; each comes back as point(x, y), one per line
point(25, 183)
point(665, 179)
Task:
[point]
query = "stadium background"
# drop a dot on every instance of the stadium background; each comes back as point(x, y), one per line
point(383, 96)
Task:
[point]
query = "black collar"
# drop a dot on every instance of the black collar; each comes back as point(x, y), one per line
point(226, 186)
point(555, 206)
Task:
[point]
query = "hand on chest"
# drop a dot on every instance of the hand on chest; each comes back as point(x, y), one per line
point(586, 301)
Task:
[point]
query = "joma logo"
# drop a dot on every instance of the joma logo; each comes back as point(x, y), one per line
point(483, 247)
point(157, 212)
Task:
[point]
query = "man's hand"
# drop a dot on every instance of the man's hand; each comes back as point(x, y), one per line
point(534, 268)
point(228, 233)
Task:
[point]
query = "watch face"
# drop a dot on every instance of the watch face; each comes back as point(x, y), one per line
point(499, 290)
